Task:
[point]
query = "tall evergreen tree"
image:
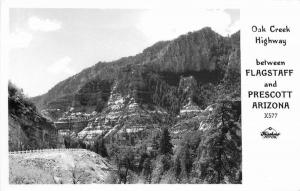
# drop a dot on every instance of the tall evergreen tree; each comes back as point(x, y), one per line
point(147, 170)
point(100, 148)
point(177, 168)
point(186, 161)
point(125, 162)
point(155, 143)
point(220, 150)
point(165, 145)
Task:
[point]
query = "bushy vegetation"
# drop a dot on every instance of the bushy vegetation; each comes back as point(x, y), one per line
point(17, 101)
point(20, 174)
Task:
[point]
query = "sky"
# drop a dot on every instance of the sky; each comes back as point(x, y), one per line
point(50, 45)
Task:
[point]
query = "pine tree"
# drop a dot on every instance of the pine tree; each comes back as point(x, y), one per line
point(147, 170)
point(177, 166)
point(183, 162)
point(67, 142)
point(186, 161)
point(125, 162)
point(219, 151)
point(155, 143)
point(165, 145)
point(103, 150)
point(100, 148)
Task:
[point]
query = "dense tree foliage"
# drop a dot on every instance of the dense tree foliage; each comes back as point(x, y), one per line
point(165, 145)
point(100, 147)
point(17, 101)
point(94, 93)
point(219, 152)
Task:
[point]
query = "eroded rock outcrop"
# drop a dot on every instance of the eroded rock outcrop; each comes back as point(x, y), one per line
point(122, 114)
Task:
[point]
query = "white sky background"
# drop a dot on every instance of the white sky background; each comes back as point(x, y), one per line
point(49, 45)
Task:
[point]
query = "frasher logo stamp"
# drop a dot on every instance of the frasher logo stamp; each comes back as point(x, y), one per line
point(270, 133)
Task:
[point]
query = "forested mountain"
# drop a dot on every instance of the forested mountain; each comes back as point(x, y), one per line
point(170, 114)
point(203, 54)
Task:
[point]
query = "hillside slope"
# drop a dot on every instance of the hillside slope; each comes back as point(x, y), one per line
point(203, 53)
point(59, 167)
point(27, 128)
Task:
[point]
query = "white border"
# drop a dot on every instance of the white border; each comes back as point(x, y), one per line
point(123, 4)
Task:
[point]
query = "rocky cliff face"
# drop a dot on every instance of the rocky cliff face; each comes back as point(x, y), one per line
point(27, 128)
point(122, 115)
point(192, 52)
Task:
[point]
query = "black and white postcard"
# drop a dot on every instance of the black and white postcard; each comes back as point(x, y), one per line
point(177, 94)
